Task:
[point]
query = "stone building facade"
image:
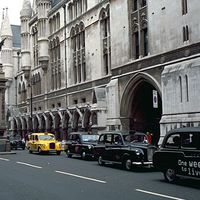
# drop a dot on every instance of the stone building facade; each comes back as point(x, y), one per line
point(10, 62)
point(107, 65)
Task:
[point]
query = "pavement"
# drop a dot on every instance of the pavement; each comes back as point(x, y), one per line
point(7, 152)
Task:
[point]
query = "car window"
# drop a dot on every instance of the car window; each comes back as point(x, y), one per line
point(134, 138)
point(46, 137)
point(118, 140)
point(173, 141)
point(107, 138)
point(189, 140)
point(90, 138)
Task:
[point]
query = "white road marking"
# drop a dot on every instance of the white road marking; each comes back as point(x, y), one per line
point(27, 164)
point(157, 194)
point(4, 159)
point(83, 177)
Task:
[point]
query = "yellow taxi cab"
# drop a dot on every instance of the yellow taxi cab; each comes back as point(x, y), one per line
point(43, 142)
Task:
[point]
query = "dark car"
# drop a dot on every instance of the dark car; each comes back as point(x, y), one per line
point(125, 149)
point(179, 154)
point(81, 144)
point(16, 143)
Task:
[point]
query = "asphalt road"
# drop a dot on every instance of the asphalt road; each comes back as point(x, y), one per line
point(25, 176)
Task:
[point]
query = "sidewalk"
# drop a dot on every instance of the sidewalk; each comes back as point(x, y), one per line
point(7, 152)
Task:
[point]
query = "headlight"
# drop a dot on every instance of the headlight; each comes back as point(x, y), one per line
point(137, 153)
point(90, 146)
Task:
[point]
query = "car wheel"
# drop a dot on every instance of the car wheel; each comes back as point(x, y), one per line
point(58, 152)
point(30, 151)
point(100, 161)
point(39, 150)
point(127, 164)
point(69, 155)
point(170, 175)
point(83, 155)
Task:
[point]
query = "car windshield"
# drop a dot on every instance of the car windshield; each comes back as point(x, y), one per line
point(46, 137)
point(16, 137)
point(90, 138)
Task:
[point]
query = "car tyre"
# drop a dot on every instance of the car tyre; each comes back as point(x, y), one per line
point(127, 164)
point(170, 175)
point(100, 161)
point(30, 151)
point(83, 155)
point(69, 155)
point(39, 150)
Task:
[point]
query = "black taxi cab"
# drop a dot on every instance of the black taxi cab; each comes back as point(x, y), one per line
point(129, 149)
point(81, 144)
point(179, 154)
point(43, 142)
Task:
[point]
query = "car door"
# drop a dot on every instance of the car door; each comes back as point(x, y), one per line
point(74, 142)
point(109, 145)
point(69, 143)
point(189, 164)
point(30, 143)
point(34, 143)
point(116, 149)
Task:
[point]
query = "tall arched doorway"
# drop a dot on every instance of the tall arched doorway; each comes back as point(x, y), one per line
point(138, 111)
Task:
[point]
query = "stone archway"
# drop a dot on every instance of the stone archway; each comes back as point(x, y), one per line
point(35, 124)
point(75, 121)
point(42, 124)
point(58, 126)
point(86, 120)
point(137, 110)
point(14, 126)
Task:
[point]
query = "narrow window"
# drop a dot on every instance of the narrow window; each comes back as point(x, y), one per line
point(136, 45)
point(134, 5)
point(187, 88)
point(105, 33)
point(184, 37)
point(143, 3)
point(180, 87)
point(184, 7)
point(185, 33)
point(145, 41)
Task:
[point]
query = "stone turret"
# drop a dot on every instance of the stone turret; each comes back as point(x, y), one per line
point(7, 48)
point(25, 16)
point(43, 6)
point(6, 34)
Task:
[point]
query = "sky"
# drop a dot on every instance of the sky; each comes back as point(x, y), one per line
point(14, 8)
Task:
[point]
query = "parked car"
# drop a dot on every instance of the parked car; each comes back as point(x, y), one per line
point(16, 142)
point(81, 144)
point(125, 149)
point(43, 142)
point(179, 154)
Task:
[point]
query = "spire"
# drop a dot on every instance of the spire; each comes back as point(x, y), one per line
point(34, 7)
point(5, 25)
point(3, 13)
point(26, 9)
